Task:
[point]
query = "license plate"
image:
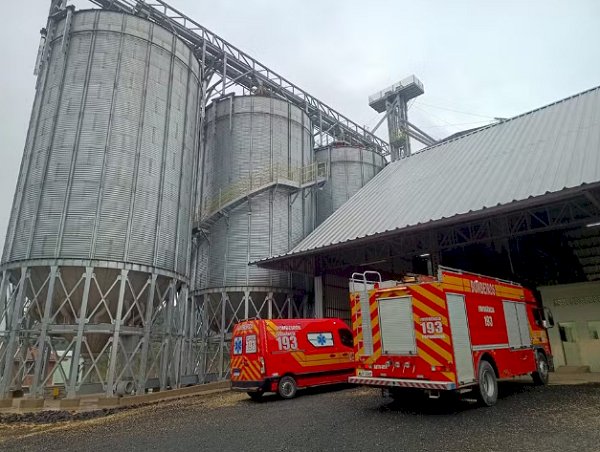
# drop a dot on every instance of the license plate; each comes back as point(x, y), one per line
point(236, 372)
point(365, 373)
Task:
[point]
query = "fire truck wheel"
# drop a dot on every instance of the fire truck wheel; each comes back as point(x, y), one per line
point(256, 396)
point(540, 376)
point(487, 389)
point(287, 387)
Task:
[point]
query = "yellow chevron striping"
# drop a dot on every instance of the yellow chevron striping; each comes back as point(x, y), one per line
point(451, 376)
point(429, 311)
point(430, 296)
point(374, 322)
point(271, 327)
point(427, 357)
point(373, 311)
point(376, 338)
point(374, 357)
point(435, 347)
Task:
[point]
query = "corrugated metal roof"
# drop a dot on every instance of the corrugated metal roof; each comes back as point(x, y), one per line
point(547, 150)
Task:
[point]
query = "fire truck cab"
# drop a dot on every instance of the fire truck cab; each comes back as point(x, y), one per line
point(284, 355)
point(458, 332)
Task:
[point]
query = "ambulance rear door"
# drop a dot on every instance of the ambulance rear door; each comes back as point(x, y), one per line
point(246, 351)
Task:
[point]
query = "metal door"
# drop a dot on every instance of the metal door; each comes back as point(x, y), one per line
point(461, 339)
point(517, 324)
point(397, 326)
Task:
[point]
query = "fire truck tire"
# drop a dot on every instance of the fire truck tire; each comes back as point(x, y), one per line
point(487, 388)
point(541, 375)
point(287, 387)
point(256, 396)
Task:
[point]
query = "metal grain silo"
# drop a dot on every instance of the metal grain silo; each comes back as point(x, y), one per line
point(256, 201)
point(97, 249)
point(350, 168)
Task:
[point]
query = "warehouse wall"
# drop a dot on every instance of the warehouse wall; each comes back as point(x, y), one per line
point(576, 309)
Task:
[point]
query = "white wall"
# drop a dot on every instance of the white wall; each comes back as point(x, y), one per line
point(578, 303)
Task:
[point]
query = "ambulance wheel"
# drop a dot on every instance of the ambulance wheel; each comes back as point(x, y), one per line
point(487, 388)
point(256, 396)
point(287, 387)
point(541, 374)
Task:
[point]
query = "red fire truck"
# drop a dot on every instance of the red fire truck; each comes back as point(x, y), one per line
point(286, 354)
point(458, 332)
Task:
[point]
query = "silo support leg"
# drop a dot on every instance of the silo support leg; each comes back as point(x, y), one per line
point(222, 333)
point(166, 345)
point(141, 386)
point(4, 320)
point(41, 357)
point(114, 349)
point(270, 305)
point(72, 385)
point(15, 318)
point(180, 342)
point(246, 304)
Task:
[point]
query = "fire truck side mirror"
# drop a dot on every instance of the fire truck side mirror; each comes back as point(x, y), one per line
point(548, 321)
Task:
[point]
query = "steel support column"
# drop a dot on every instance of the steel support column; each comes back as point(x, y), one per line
point(318, 297)
point(166, 342)
point(41, 357)
point(141, 384)
point(13, 319)
point(82, 320)
point(116, 338)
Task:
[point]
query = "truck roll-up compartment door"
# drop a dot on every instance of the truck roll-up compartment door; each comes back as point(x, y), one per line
point(461, 338)
point(523, 325)
point(397, 326)
point(517, 324)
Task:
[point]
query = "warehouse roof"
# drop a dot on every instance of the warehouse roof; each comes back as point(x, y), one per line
point(548, 150)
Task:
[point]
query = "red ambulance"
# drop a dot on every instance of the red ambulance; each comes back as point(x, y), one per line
point(287, 354)
point(458, 332)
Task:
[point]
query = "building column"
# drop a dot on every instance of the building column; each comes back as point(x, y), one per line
point(319, 297)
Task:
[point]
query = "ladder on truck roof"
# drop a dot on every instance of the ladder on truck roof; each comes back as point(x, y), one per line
point(442, 268)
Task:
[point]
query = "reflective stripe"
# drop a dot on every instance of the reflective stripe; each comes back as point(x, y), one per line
point(478, 348)
point(372, 381)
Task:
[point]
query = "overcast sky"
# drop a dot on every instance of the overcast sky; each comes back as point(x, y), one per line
point(477, 59)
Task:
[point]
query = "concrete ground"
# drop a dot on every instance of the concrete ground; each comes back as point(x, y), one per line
point(95, 402)
point(527, 417)
point(568, 378)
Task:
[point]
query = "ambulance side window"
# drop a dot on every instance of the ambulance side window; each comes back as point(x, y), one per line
point(322, 339)
point(346, 337)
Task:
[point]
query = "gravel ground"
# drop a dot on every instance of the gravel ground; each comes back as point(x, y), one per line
point(565, 418)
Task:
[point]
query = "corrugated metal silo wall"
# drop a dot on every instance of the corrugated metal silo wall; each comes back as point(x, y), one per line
point(246, 137)
point(107, 168)
point(350, 168)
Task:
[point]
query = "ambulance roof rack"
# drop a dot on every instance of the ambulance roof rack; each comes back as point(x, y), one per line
point(464, 272)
